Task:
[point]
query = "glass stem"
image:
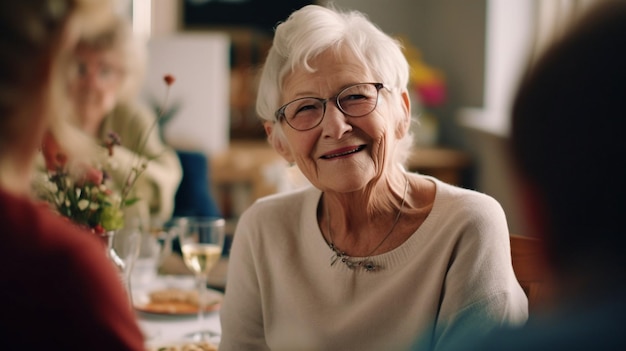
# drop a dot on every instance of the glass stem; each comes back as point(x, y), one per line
point(202, 289)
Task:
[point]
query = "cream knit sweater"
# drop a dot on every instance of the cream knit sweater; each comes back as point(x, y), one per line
point(451, 277)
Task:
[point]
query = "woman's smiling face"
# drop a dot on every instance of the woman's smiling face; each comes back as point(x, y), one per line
point(342, 153)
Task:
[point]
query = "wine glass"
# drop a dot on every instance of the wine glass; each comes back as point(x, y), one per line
point(202, 242)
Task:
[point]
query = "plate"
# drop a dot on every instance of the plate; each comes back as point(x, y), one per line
point(175, 301)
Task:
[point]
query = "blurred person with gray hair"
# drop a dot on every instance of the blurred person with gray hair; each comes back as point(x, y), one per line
point(105, 82)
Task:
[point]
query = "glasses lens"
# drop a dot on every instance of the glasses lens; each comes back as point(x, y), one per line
point(304, 113)
point(358, 100)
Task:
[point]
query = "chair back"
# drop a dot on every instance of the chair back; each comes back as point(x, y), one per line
point(528, 264)
point(194, 196)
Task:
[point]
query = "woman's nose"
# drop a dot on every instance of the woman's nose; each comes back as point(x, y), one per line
point(89, 79)
point(335, 123)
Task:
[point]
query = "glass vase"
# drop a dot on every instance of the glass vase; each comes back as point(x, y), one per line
point(112, 255)
point(122, 248)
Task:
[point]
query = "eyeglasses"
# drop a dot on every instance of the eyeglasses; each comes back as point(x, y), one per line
point(308, 112)
point(105, 72)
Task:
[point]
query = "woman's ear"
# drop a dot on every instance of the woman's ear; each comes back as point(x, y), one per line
point(277, 140)
point(404, 123)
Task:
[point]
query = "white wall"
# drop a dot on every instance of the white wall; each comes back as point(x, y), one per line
point(200, 63)
point(509, 42)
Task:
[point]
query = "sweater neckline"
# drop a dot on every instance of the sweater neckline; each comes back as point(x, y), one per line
point(388, 260)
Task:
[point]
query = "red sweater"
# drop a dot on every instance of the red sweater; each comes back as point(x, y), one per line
point(58, 290)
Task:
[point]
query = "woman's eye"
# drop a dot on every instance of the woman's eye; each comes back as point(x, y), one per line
point(354, 97)
point(81, 69)
point(307, 110)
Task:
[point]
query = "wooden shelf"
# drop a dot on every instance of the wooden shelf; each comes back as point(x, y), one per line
point(444, 164)
point(239, 175)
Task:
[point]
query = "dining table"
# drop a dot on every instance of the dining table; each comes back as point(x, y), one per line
point(168, 328)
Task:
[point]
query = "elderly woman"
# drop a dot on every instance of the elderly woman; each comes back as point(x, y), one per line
point(59, 291)
point(370, 257)
point(104, 87)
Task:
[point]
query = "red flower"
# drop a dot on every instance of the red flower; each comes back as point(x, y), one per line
point(112, 140)
point(98, 229)
point(169, 79)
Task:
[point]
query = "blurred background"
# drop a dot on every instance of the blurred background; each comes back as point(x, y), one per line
point(466, 58)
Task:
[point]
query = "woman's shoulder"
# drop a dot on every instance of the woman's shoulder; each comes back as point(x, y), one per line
point(132, 114)
point(278, 215)
point(282, 205)
point(462, 198)
point(288, 201)
point(467, 210)
point(37, 230)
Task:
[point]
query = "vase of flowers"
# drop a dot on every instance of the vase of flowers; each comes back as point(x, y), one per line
point(82, 191)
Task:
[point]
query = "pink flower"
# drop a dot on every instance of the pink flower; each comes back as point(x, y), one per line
point(93, 176)
point(432, 94)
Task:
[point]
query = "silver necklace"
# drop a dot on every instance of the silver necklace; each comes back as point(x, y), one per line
point(366, 263)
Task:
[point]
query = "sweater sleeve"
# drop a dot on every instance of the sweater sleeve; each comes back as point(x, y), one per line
point(480, 288)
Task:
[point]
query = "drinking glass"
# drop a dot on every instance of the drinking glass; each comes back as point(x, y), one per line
point(202, 242)
point(155, 248)
point(126, 242)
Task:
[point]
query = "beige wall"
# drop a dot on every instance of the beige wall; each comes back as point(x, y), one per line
point(451, 36)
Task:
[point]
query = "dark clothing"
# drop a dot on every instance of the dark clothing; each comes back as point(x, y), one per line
point(577, 327)
point(59, 291)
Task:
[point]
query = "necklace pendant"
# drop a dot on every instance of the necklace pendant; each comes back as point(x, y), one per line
point(370, 266)
point(367, 264)
point(349, 263)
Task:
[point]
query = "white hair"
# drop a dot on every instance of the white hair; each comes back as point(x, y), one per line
point(314, 29)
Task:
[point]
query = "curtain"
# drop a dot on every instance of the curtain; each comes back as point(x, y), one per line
point(552, 19)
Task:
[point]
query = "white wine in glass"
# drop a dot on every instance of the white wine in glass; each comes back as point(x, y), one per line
point(202, 243)
point(200, 258)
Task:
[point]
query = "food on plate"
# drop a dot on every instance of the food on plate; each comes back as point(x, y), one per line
point(174, 295)
point(178, 301)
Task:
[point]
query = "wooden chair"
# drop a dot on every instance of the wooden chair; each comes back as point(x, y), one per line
point(528, 264)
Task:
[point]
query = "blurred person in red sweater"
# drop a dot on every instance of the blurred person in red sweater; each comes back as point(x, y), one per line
point(59, 291)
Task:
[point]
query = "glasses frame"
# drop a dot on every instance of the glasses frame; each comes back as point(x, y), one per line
point(280, 113)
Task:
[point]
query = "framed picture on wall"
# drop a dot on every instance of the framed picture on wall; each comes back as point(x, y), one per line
point(250, 25)
point(259, 14)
